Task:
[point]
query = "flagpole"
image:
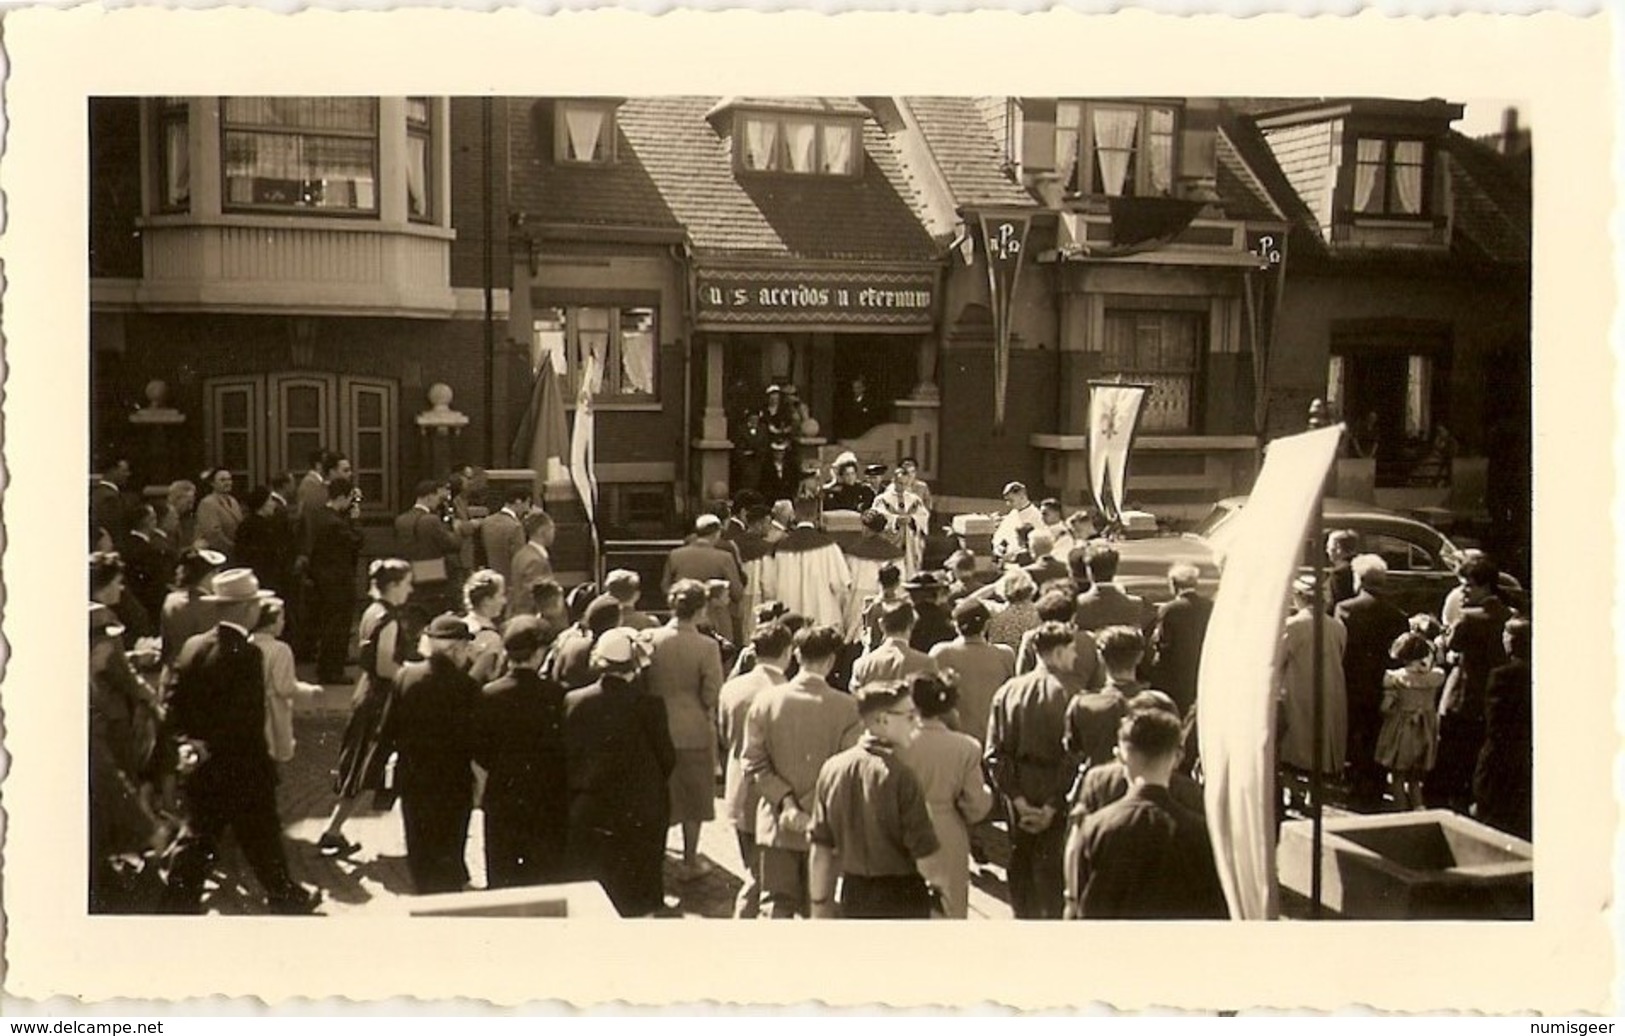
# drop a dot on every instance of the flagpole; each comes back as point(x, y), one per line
point(1318, 720)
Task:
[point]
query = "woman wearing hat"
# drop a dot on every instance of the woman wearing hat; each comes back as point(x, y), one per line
point(364, 752)
point(618, 758)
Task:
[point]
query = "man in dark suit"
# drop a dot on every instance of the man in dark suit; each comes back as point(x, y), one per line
point(1341, 547)
point(229, 779)
point(503, 532)
point(519, 740)
point(327, 558)
point(149, 564)
point(780, 474)
point(1177, 640)
point(107, 509)
point(702, 558)
point(432, 546)
point(434, 725)
point(1502, 783)
point(1145, 856)
point(1105, 603)
point(1373, 624)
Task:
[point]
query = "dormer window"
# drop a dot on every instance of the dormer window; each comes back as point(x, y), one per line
point(1115, 149)
point(774, 143)
point(1390, 177)
point(584, 132)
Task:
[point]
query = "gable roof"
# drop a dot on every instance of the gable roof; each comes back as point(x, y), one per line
point(674, 170)
point(960, 133)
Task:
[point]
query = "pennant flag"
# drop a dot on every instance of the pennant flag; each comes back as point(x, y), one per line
point(1235, 699)
point(543, 440)
point(1114, 412)
point(1004, 239)
point(583, 462)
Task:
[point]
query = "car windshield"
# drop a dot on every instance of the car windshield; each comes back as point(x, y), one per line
point(1220, 514)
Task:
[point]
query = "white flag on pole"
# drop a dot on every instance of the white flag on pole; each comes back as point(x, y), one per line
point(582, 460)
point(1235, 698)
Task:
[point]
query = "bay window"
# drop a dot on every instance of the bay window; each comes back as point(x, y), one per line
point(314, 155)
point(622, 340)
point(1116, 150)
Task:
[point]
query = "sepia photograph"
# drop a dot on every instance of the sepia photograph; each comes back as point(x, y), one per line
point(1005, 498)
point(803, 506)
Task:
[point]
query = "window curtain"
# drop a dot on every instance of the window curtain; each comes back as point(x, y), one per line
point(1368, 167)
point(1408, 176)
point(585, 126)
point(802, 141)
point(1068, 118)
point(637, 362)
point(417, 168)
point(1160, 151)
point(761, 137)
point(838, 149)
point(1418, 386)
point(177, 164)
point(592, 339)
point(1334, 384)
point(1114, 146)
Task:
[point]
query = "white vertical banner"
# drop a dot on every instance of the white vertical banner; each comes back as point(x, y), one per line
point(1114, 410)
point(582, 459)
point(1235, 697)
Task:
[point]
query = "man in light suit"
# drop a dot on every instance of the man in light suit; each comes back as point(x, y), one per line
point(531, 563)
point(503, 532)
point(772, 644)
point(893, 660)
point(790, 731)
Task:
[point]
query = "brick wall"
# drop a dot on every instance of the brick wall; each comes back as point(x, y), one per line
point(467, 192)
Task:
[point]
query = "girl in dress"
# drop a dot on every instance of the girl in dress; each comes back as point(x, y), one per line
point(1409, 738)
point(365, 750)
point(949, 766)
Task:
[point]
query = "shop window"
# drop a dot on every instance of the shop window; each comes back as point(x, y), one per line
point(1162, 349)
point(316, 155)
point(1390, 177)
point(623, 341)
point(419, 165)
point(765, 143)
point(1117, 150)
point(584, 132)
point(174, 155)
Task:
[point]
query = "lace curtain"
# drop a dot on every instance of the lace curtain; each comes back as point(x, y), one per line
point(761, 136)
point(417, 169)
point(584, 126)
point(1068, 120)
point(1114, 146)
point(1160, 151)
point(801, 139)
point(1407, 176)
point(177, 165)
point(837, 149)
point(1367, 171)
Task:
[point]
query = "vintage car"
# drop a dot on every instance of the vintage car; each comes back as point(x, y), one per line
point(1421, 560)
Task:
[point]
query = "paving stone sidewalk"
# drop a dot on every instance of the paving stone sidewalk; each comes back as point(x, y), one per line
point(375, 879)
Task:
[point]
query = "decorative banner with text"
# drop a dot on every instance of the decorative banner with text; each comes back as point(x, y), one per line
point(1004, 238)
point(812, 297)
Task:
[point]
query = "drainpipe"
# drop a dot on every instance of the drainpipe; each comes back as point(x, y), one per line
point(488, 258)
point(682, 255)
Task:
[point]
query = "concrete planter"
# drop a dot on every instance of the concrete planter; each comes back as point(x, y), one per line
point(1427, 865)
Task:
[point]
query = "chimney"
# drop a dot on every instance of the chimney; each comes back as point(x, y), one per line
point(1035, 135)
point(1509, 130)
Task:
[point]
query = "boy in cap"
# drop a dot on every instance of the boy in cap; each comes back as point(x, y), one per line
point(870, 825)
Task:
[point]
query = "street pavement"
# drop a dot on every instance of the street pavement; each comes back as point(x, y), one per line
point(375, 879)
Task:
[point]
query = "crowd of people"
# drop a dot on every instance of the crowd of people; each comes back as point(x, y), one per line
point(878, 722)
